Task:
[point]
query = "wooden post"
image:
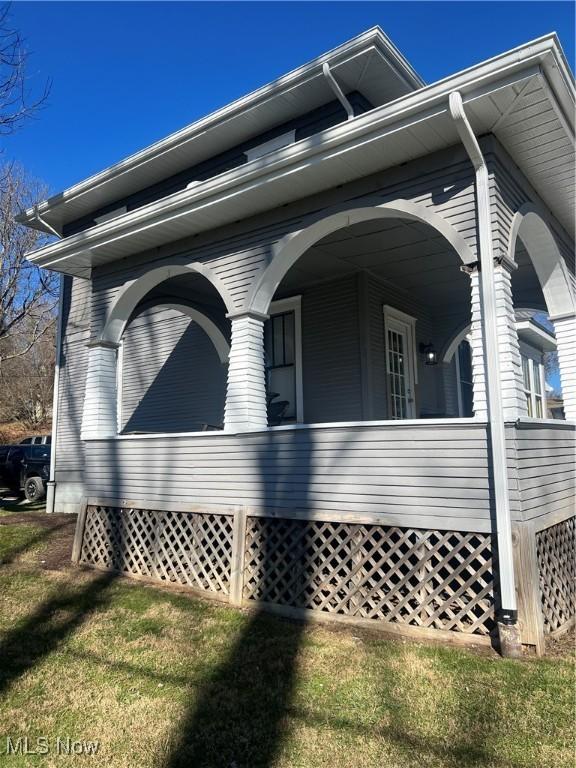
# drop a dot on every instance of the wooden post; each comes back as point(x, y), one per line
point(79, 533)
point(237, 559)
point(530, 616)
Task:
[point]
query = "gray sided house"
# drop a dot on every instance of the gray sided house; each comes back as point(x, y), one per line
point(301, 348)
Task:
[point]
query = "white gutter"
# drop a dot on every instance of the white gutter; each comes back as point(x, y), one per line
point(508, 614)
point(421, 105)
point(537, 52)
point(338, 92)
point(51, 489)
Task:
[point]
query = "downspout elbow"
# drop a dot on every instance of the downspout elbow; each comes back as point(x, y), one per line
point(47, 227)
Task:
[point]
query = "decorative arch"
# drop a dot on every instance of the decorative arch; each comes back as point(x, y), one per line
point(132, 294)
point(206, 323)
point(288, 250)
point(454, 341)
point(529, 224)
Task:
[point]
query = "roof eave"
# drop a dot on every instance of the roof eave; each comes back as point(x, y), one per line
point(472, 83)
point(373, 37)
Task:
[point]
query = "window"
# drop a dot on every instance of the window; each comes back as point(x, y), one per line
point(533, 380)
point(400, 362)
point(464, 376)
point(283, 355)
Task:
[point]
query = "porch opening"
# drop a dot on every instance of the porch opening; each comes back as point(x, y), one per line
point(172, 362)
point(358, 323)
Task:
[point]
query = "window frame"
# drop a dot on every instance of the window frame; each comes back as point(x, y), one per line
point(467, 339)
point(393, 315)
point(279, 307)
point(533, 358)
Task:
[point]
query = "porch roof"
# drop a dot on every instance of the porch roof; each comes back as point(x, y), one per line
point(524, 97)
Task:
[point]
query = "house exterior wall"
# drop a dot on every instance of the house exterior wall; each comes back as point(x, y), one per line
point(70, 449)
point(238, 254)
point(422, 476)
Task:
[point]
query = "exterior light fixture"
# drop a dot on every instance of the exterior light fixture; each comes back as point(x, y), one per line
point(430, 354)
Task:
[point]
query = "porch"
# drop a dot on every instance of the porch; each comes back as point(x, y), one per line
point(327, 451)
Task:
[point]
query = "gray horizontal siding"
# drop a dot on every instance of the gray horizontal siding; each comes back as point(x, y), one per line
point(546, 470)
point(443, 182)
point(330, 352)
point(422, 476)
point(69, 464)
point(172, 378)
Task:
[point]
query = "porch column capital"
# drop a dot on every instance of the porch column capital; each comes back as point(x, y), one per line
point(246, 408)
point(505, 263)
point(499, 261)
point(247, 313)
point(102, 344)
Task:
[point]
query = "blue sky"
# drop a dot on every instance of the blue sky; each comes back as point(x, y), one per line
point(126, 74)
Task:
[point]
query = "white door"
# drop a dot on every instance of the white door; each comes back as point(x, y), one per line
point(400, 367)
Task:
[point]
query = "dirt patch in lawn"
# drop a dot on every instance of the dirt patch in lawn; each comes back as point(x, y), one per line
point(54, 539)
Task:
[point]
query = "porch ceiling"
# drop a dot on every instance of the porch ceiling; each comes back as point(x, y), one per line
point(409, 255)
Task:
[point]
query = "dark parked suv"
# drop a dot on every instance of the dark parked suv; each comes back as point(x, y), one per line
point(25, 467)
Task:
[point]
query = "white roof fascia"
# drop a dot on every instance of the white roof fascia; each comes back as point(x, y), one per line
point(418, 106)
point(374, 36)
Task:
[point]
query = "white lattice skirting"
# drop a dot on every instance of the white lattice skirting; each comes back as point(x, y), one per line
point(556, 548)
point(422, 579)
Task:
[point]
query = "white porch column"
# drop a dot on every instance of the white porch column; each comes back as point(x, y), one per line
point(477, 347)
point(510, 364)
point(513, 398)
point(99, 416)
point(565, 328)
point(246, 392)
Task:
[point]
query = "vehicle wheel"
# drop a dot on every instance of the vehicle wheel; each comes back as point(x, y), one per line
point(34, 489)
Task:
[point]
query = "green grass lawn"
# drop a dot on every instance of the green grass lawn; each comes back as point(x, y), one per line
point(162, 679)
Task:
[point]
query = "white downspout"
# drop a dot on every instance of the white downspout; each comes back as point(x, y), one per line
point(333, 83)
point(47, 227)
point(507, 615)
point(51, 489)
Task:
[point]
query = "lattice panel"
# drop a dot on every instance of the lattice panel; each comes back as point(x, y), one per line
point(182, 548)
point(431, 579)
point(556, 547)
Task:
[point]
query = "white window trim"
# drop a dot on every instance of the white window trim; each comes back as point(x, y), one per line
point(294, 304)
point(531, 353)
point(391, 313)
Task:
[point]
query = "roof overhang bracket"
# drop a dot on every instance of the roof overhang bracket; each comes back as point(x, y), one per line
point(333, 83)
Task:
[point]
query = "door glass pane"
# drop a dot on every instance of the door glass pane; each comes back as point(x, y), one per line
point(398, 384)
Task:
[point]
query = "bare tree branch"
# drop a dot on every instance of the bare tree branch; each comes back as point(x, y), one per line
point(28, 296)
point(17, 102)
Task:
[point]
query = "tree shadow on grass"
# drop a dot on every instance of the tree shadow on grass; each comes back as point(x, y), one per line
point(44, 630)
point(239, 717)
point(240, 714)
